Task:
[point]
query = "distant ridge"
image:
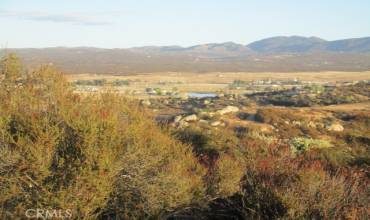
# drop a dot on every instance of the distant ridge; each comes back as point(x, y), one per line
point(293, 44)
point(297, 44)
point(355, 45)
point(282, 53)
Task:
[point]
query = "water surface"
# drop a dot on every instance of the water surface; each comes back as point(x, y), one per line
point(201, 94)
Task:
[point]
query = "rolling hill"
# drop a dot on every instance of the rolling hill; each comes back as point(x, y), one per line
point(297, 44)
point(286, 54)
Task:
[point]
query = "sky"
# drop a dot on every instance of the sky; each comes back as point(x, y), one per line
point(131, 23)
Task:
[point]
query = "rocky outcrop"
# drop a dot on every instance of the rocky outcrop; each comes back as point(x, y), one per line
point(228, 109)
point(190, 118)
point(216, 123)
point(335, 127)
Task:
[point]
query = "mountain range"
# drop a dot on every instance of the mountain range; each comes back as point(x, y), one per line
point(293, 53)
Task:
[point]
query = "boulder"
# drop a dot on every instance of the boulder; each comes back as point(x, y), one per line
point(203, 122)
point(182, 124)
point(190, 118)
point(211, 114)
point(335, 127)
point(216, 123)
point(228, 109)
point(177, 119)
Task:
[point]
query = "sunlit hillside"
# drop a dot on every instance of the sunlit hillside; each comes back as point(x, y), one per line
point(107, 155)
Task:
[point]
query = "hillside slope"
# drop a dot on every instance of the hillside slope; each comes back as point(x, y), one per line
point(293, 53)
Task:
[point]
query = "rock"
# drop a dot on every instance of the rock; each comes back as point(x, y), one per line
point(183, 124)
point(211, 114)
point(145, 102)
point(228, 109)
point(335, 127)
point(190, 118)
point(216, 123)
point(204, 122)
point(177, 119)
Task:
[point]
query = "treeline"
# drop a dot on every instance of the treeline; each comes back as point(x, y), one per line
point(102, 82)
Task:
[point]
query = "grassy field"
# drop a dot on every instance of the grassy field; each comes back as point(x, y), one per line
point(211, 82)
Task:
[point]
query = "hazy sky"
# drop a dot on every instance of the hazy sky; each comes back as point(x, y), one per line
point(128, 23)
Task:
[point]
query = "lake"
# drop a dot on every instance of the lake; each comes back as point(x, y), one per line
point(201, 95)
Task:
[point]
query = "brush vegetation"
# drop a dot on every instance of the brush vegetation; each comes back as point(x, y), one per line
point(103, 157)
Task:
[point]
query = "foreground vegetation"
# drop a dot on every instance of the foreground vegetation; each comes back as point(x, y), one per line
point(103, 157)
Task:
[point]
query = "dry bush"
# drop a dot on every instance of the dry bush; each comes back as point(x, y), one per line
point(60, 150)
point(308, 187)
point(103, 157)
point(218, 151)
point(284, 118)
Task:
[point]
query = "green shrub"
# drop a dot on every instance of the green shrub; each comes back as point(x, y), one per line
point(300, 145)
point(118, 82)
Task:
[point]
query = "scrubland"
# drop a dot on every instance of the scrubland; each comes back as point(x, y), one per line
point(103, 156)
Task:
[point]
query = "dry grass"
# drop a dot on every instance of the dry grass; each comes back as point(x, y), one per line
point(228, 77)
point(213, 82)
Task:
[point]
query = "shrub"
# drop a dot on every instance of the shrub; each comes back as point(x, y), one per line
point(11, 67)
point(95, 82)
point(300, 145)
point(118, 82)
point(60, 150)
point(220, 154)
point(158, 91)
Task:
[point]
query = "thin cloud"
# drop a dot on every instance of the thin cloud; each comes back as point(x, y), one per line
point(74, 18)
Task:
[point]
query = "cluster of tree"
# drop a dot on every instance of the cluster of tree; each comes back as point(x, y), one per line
point(102, 82)
point(95, 82)
point(315, 95)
